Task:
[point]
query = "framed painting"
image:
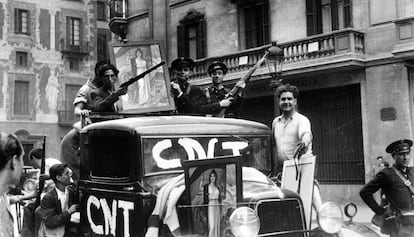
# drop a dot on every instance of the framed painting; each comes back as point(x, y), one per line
point(299, 177)
point(214, 188)
point(152, 92)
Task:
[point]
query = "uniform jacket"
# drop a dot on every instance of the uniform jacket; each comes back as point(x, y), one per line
point(214, 96)
point(397, 193)
point(50, 212)
point(191, 100)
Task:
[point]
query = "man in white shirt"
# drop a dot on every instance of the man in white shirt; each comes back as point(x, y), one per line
point(292, 132)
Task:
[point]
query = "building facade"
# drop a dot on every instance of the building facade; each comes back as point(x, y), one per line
point(48, 50)
point(353, 61)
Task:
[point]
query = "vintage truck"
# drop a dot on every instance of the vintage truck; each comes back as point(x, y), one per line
point(126, 162)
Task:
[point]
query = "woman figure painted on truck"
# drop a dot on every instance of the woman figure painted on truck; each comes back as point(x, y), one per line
point(212, 197)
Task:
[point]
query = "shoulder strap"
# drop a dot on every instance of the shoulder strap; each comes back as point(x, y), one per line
point(404, 180)
point(208, 96)
point(188, 90)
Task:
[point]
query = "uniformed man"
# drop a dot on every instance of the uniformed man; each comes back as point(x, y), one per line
point(397, 185)
point(188, 98)
point(217, 103)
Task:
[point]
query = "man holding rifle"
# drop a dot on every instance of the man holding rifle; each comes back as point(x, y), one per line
point(188, 99)
point(223, 102)
point(104, 98)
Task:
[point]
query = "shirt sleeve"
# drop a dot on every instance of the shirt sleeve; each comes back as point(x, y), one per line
point(304, 127)
point(82, 95)
point(367, 192)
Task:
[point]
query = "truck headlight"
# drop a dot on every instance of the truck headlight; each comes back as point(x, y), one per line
point(244, 222)
point(330, 218)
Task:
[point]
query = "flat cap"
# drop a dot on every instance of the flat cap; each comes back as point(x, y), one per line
point(399, 146)
point(216, 65)
point(182, 62)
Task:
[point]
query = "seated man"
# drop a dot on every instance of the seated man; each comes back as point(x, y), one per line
point(55, 215)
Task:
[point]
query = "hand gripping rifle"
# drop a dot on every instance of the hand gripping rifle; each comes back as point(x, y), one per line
point(141, 75)
point(243, 80)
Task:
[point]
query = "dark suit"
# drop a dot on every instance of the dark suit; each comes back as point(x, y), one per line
point(50, 212)
point(190, 101)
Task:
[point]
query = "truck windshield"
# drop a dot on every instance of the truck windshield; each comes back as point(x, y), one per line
point(166, 153)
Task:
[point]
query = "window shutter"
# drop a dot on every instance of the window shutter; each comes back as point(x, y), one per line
point(334, 15)
point(81, 46)
point(347, 14)
point(313, 17)
point(67, 42)
point(16, 20)
point(180, 41)
point(201, 39)
point(29, 30)
point(266, 28)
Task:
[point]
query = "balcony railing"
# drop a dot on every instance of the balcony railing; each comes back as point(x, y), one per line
point(81, 49)
point(66, 118)
point(346, 43)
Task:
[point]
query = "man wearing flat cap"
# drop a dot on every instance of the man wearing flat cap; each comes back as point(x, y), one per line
point(188, 98)
point(217, 103)
point(397, 185)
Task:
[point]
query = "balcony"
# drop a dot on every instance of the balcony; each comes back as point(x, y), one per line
point(341, 49)
point(66, 118)
point(118, 17)
point(71, 50)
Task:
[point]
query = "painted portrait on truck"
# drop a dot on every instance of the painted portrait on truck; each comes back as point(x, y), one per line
point(151, 92)
point(213, 193)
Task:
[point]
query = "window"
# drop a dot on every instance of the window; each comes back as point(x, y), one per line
point(327, 15)
point(101, 11)
point(74, 32)
point(102, 45)
point(21, 59)
point(256, 23)
point(21, 98)
point(21, 21)
point(73, 64)
point(191, 35)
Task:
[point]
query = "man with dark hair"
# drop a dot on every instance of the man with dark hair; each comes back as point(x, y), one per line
point(55, 216)
point(216, 93)
point(83, 98)
point(397, 185)
point(292, 133)
point(69, 146)
point(291, 130)
point(188, 98)
point(105, 97)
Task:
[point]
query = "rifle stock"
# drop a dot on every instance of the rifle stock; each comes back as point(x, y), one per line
point(141, 75)
point(245, 78)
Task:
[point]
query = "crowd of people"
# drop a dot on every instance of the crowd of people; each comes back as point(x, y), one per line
point(58, 212)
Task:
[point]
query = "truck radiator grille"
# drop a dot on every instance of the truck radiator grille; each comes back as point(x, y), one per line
point(281, 215)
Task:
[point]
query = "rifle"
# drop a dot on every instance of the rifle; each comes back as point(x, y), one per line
point(42, 171)
point(141, 75)
point(244, 79)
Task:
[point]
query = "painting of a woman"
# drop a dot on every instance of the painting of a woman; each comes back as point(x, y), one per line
point(212, 194)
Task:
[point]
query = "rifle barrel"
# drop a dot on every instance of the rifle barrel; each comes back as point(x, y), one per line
point(141, 75)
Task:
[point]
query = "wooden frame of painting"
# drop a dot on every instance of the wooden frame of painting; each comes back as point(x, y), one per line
point(152, 92)
point(212, 200)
